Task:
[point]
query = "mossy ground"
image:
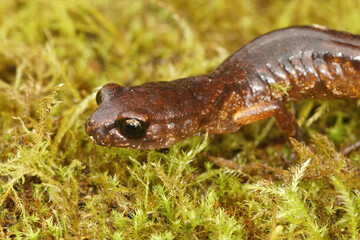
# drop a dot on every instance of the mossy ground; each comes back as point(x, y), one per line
point(56, 184)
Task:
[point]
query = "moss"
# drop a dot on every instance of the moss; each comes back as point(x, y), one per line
point(56, 184)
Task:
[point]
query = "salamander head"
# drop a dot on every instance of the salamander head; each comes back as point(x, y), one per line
point(153, 115)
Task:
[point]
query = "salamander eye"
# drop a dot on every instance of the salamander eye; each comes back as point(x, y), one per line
point(98, 98)
point(133, 128)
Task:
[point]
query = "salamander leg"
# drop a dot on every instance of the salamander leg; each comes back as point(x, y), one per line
point(277, 109)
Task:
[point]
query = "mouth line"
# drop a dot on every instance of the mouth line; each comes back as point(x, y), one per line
point(113, 137)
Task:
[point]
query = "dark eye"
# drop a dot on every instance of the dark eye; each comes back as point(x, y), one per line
point(98, 98)
point(133, 128)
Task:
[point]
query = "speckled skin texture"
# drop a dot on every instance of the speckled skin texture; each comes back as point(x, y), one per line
point(311, 62)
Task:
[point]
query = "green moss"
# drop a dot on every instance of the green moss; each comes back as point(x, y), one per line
point(56, 184)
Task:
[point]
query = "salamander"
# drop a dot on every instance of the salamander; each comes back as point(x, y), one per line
point(307, 61)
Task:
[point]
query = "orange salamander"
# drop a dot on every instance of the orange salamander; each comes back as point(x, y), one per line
point(312, 62)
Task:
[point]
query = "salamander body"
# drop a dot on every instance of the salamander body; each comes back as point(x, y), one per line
point(254, 83)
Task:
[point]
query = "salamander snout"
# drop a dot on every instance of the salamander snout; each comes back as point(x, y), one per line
point(97, 134)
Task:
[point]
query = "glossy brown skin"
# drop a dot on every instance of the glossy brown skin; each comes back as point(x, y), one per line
point(312, 62)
